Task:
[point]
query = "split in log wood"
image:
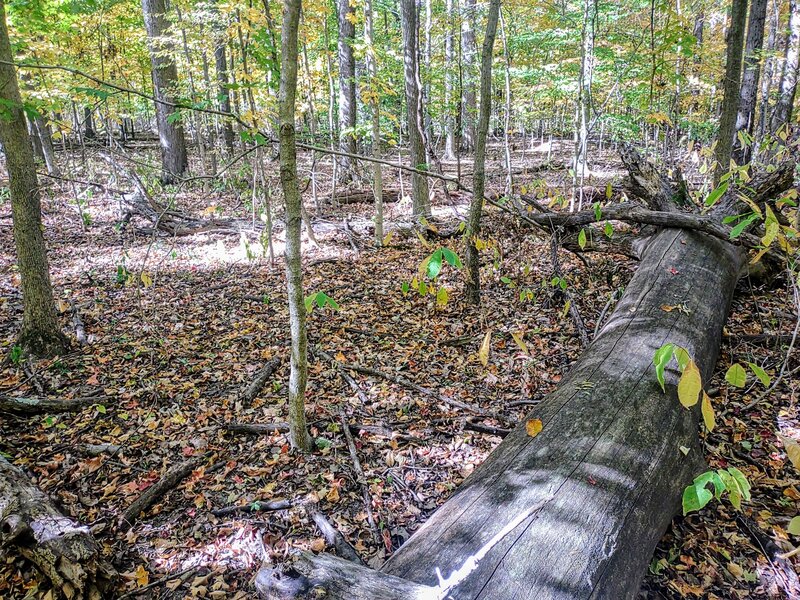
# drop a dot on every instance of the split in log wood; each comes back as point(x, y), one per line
point(65, 552)
point(156, 491)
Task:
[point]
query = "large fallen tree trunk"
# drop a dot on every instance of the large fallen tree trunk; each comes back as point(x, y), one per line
point(576, 511)
point(61, 549)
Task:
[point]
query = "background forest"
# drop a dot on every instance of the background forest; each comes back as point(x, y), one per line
point(280, 278)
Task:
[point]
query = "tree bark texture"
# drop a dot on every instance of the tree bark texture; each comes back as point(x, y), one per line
point(419, 183)
point(473, 287)
point(469, 49)
point(174, 160)
point(745, 118)
point(40, 333)
point(347, 87)
point(298, 375)
point(788, 86)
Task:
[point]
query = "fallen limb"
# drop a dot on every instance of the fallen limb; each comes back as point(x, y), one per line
point(360, 477)
point(249, 393)
point(256, 428)
point(156, 491)
point(344, 375)
point(334, 537)
point(38, 406)
point(64, 551)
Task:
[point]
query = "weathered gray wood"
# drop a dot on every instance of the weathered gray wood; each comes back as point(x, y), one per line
point(64, 551)
point(156, 491)
point(339, 579)
point(38, 406)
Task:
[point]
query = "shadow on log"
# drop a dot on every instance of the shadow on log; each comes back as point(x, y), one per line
point(61, 549)
point(576, 511)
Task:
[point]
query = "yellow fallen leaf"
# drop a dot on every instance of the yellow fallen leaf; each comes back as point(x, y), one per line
point(690, 385)
point(792, 450)
point(142, 576)
point(333, 495)
point(533, 427)
point(517, 337)
point(483, 353)
point(708, 412)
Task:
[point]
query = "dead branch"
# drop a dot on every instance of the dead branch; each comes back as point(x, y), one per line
point(255, 506)
point(39, 406)
point(249, 393)
point(256, 428)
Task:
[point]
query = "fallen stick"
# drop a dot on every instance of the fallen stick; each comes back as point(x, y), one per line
point(344, 375)
point(256, 428)
point(256, 506)
point(250, 392)
point(334, 537)
point(361, 479)
point(785, 574)
point(77, 323)
point(484, 428)
point(413, 386)
point(170, 479)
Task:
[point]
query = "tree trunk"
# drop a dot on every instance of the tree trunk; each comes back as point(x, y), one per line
point(416, 142)
point(473, 263)
point(221, 64)
point(745, 119)
point(575, 511)
point(766, 80)
point(730, 99)
point(584, 104)
point(347, 88)
point(61, 549)
point(46, 140)
point(298, 376)
point(165, 78)
point(40, 333)
point(449, 85)
point(788, 86)
point(374, 104)
point(469, 49)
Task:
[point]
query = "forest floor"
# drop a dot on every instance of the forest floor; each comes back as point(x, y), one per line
point(177, 328)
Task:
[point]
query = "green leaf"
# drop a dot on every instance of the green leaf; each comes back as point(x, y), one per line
point(717, 194)
point(695, 498)
point(741, 481)
point(597, 212)
point(404, 287)
point(682, 356)
point(582, 239)
point(608, 229)
point(434, 265)
point(736, 375)
point(506, 280)
point(713, 478)
point(762, 375)
point(742, 225)
point(441, 296)
point(451, 258)
point(794, 526)
point(660, 360)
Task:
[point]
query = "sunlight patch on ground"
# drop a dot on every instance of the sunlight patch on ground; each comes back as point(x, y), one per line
point(240, 548)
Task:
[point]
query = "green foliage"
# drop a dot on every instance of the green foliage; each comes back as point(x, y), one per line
point(16, 354)
point(697, 495)
point(321, 300)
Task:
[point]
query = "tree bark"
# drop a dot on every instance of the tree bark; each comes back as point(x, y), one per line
point(46, 140)
point(419, 183)
point(745, 119)
point(449, 84)
point(347, 88)
point(62, 550)
point(374, 104)
point(469, 102)
point(730, 100)
point(473, 287)
point(575, 511)
point(298, 431)
point(788, 86)
point(221, 64)
point(40, 334)
point(584, 101)
point(174, 160)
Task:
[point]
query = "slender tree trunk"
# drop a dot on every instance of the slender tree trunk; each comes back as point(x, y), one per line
point(174, 160)
point(788, 86)
point(449, 84)
point(347, 88)
point(298, 376)
point(419, 183)
point(584, 104)
point(40, 334)
point(473, 287)
point(46, 140)
point(468, 52)
point(766, 80)
point(745, 119)
point(221, 63)
point(374, 103)
point(730, 98)
point(507, 115)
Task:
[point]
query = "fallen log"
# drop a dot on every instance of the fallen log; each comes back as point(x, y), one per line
point(64, 551)
point(39, 406)
point(575, 511)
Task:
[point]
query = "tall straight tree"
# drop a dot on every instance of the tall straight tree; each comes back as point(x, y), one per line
point(223, 94)
point(788, 85)
point(473, 289)
point(468, 52)
point(298, 375)
point(165, 77)
point(40, 334)
point(416, 141)
point(374, 105)
point(730, 99)
point(583, 105)
point(449, 84)
point(347, 87)
point(745, 119)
